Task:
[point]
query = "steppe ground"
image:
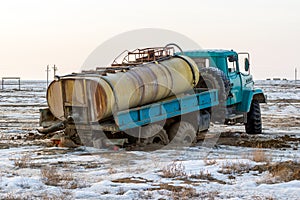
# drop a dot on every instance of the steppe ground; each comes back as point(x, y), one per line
point(238, 166)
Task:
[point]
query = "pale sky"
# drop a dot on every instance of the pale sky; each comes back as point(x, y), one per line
point(34, 33)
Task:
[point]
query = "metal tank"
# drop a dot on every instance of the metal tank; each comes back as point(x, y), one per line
point(93, 97)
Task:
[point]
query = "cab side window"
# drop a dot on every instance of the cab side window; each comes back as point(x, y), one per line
point(231, 63)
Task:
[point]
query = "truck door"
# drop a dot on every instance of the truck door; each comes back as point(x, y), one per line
point(235, 95)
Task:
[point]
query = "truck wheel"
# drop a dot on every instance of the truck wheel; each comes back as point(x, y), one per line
point(182, 133)
point(213, 78)
point(253, 125)
point(155, 134)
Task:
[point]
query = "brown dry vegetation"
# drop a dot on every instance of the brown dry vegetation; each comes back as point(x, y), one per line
point(209, 162)
point(131, 180)
point(51, 176)
point(286, 171)
point(235, 168)
point(174, 170)
point(259, 155)
point(206, 176)
point(64, 195)
point(180, 192)
point(280, 172)
point(112, 170)
point(184, 193)
point(24, 161)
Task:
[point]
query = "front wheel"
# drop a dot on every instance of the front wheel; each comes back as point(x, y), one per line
point(254, 125)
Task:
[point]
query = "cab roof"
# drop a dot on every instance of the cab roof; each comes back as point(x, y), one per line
point(208, 53)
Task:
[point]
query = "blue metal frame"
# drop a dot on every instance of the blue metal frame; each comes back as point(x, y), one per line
point(159, 111)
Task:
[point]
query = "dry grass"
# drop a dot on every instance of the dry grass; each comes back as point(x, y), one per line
point(177, 170)
point(286, 171)
point(173, 170)
point(206, 176)
point(202, 175)
point(259, 155)
point(184, 194)
point(23, 162)
point(64, 195)
point(279, 172)
point(121, 191)
point(131, 180)
point(209, 162)
point(112, 170)
point(136, 170)
point(234, 168)
point(211, 195)
point(262, 198)
point(177, 192)
point(145, 195)
point(105, 192)
point(51, 176)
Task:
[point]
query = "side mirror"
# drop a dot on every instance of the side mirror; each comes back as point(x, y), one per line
point(247, 64)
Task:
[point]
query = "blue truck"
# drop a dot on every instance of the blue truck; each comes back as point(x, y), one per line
point(154, 96)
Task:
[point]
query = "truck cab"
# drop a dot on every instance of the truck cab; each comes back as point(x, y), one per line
point(238, 82)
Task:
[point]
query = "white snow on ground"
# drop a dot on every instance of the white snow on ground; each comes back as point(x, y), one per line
point(282, 89)
point(222, 172)
point(94, 174)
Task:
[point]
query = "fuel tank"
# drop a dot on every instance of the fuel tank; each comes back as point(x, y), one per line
point(93, 97)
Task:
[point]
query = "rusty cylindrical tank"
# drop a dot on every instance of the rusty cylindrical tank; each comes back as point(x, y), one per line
point(98, 97)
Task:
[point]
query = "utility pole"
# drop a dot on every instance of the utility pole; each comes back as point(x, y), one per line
point(48, 70)
point(54, 71)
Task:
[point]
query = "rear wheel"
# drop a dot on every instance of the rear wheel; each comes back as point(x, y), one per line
point(182, 133)
point(254, 125)
point(155, 134)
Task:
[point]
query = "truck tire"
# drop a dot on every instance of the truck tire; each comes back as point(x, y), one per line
point(154, 134)
point(254, 125)
point(182, 133)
